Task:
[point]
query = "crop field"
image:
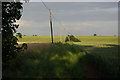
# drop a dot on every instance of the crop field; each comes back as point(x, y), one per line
point(65, 60)
point(88, 40)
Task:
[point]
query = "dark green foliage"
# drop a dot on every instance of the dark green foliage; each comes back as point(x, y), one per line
point(24, 46)
point(34, 35)
point(11, 12)
point(71, 38)
point(95, 35)
point(57, 61)
point(19, 35)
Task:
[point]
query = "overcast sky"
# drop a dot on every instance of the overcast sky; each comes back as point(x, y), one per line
point(79, 18)
point(74, 0)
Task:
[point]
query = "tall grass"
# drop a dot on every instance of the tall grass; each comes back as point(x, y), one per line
point(102, 51)
point(57, 61)
point(106, 59)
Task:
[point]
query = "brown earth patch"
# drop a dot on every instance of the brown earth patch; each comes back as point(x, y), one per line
point(35, 46)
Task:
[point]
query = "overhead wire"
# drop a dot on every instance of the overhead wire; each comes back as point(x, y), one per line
point(45, 5)
point(51, 12)
point(59, 22)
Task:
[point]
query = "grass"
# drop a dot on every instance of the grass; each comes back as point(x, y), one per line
point(98, 40)
point(104, 58)
point(103, 53)
point(63, 60)
point(84, 39)
point(57, 61)
point(41, 39)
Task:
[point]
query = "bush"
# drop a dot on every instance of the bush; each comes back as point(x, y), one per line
point(95, 35)
point(71, 38)
point(58, 61)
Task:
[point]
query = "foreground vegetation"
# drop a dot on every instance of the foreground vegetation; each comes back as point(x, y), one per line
point(63, 60)
point(102, 51)
point(57, 61)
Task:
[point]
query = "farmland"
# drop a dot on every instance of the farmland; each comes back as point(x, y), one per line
point(64, 60)
point(85, 39)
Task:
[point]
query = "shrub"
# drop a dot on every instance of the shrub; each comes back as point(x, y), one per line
point(58, 61)
point(72, 38)
point(95, 35)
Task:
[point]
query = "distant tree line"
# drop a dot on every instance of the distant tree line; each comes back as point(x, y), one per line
point(34, 35)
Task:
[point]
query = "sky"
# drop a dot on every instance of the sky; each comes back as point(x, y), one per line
point(63, 0)
point(74, 0)
point(77, 18)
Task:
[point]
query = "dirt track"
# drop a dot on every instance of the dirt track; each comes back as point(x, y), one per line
point(32, 42)
point(35, 46)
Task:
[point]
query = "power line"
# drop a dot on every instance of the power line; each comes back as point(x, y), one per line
point(59, 22)
point(51, 12)
point(45, 5)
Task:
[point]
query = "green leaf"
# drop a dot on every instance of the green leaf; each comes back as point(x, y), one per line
point(24, 46)
point(19, 35)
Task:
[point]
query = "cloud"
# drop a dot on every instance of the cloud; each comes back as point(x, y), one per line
point(78, 18)
point(80, 26)
point(103, 28)
point(81, 11)
point(75, 0)
point(25, 23)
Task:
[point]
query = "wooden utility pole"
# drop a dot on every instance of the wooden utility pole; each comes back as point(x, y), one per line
point(51, 25)
point(64, 33)
point(60, 32)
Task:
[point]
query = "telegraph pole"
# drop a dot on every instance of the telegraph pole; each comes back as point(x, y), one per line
point(51, 25)
point(60, 32)
point(64, 33)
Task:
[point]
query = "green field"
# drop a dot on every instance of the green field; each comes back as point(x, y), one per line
point(84, 39)
point(63, 60)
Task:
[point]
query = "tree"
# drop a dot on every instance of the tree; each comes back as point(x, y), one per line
point(95, 35)
point(72, 38)
point(11, 12)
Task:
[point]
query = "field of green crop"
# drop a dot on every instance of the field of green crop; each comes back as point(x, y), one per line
point(63, 60)
point(84, 39)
